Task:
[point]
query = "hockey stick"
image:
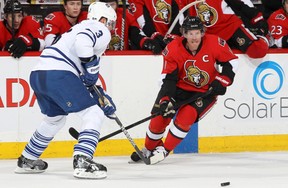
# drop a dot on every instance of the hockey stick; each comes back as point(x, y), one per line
point(75, 134)
point(179, 14)
point(13, 20)
point(123, 23)
point(101, 97)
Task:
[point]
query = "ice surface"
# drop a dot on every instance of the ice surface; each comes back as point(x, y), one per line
point(242, 170)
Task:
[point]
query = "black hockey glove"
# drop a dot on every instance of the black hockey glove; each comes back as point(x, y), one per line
point(8, 44)
point(169, 38)
point(167, 107)
point(217, 88)
point(22, 44)
point(18, 48)
point(159, 38)
point(285, 41)
point(152, 45)
point(260, 26)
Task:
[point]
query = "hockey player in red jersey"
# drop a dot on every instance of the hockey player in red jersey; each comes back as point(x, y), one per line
point(278, 25)
point(57, 23)
point(18, 33)
point(220, 19)
point(133, 37)
point(155, 18)
point(189, 70)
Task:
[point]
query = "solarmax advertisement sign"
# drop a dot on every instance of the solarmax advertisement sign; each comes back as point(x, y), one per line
point(256, 103)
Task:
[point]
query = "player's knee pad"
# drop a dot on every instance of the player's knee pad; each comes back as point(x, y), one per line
point(51, 125)
point(92, 117)
point(159, 124)
point(185, 117)
point(258, 48)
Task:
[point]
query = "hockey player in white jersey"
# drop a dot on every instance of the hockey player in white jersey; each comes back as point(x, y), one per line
point(61, 82)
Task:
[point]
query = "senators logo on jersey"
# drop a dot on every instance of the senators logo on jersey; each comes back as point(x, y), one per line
point(50, 16)
point(207, 14)
point(280, 17)
point(195, 76)
point(163, 12)
point(115, 43)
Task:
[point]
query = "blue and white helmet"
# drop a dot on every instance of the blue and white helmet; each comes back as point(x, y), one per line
point(97, 10)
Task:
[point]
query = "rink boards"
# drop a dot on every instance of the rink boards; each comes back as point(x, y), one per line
point(252, 116)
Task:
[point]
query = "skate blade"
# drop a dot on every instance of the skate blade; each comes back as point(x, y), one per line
point(81, 174)
point(135, 162)
point(19, 170)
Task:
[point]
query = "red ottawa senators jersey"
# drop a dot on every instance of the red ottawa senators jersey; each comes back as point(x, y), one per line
point(29, 25)
point(57, 22)
point(160, 12)
point(218, 18)
point(196, 72)
point(116, 35)
point(278, 24)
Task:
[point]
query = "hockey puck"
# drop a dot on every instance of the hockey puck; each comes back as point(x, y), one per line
point(135, 157)
point(225, 184)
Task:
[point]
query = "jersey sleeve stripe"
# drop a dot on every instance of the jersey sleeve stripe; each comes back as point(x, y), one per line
point(90, 34)
point(65, 58)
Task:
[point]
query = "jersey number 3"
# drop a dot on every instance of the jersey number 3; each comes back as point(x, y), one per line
point(99, 33)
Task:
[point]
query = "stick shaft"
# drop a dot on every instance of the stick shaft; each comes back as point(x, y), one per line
point(180, 13)
point(75, 134)
point(146, 160)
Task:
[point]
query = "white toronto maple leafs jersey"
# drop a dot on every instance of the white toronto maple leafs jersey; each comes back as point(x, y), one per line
point(83, 40)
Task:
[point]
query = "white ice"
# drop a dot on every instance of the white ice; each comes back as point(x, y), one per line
point(242, 170)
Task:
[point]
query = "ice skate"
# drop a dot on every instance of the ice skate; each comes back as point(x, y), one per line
point(86, 168)
point(158, 155)
point(28, 166)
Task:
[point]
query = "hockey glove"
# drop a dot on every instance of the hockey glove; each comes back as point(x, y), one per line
point(169, 38)
point(22, 44)
point(8, 44)
point(159, 39)
point(167, 107)
point(260, 26)
point(107, 106)
point(285, 41)
point(91, 73)
point(150, 44)
point(219, 86)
